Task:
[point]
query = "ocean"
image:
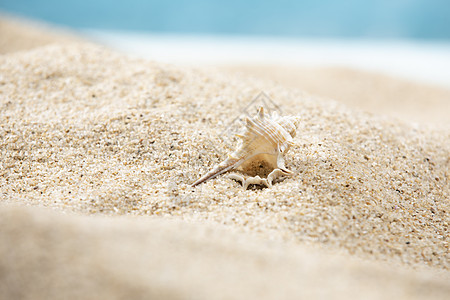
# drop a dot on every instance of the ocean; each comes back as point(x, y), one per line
point(410, 19)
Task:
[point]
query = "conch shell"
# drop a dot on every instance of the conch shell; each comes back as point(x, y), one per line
point(261, 150)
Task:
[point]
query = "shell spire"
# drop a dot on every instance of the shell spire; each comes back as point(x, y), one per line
point(263, 143)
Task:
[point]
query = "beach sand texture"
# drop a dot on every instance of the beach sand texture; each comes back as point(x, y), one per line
point(88, 134)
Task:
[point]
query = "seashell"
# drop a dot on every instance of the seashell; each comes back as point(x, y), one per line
point(261, 150)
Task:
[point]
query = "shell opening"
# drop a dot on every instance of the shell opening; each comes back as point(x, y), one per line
point(260, 166)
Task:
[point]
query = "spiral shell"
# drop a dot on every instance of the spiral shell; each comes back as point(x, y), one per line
point(261, 150)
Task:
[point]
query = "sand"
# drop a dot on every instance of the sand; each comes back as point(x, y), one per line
point(98, 151)
point(19, 34)
point(409, 101)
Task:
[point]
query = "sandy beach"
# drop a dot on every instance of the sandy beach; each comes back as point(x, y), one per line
point(98, 152)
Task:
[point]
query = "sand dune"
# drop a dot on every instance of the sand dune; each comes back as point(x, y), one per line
point(89, 131)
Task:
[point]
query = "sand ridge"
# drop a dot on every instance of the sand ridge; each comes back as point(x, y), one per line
point(147, 257)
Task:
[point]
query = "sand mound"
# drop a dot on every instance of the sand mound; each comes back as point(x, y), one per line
point(90, 131)
point(372, 92)
point(94, 132)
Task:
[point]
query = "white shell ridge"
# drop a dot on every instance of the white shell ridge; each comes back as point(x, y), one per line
point(260, 153)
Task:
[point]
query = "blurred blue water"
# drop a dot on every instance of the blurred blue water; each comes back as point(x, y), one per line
point(423, 19)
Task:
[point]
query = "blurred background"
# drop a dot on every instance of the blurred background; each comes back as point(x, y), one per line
point(407, 38)
point(412, 19)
